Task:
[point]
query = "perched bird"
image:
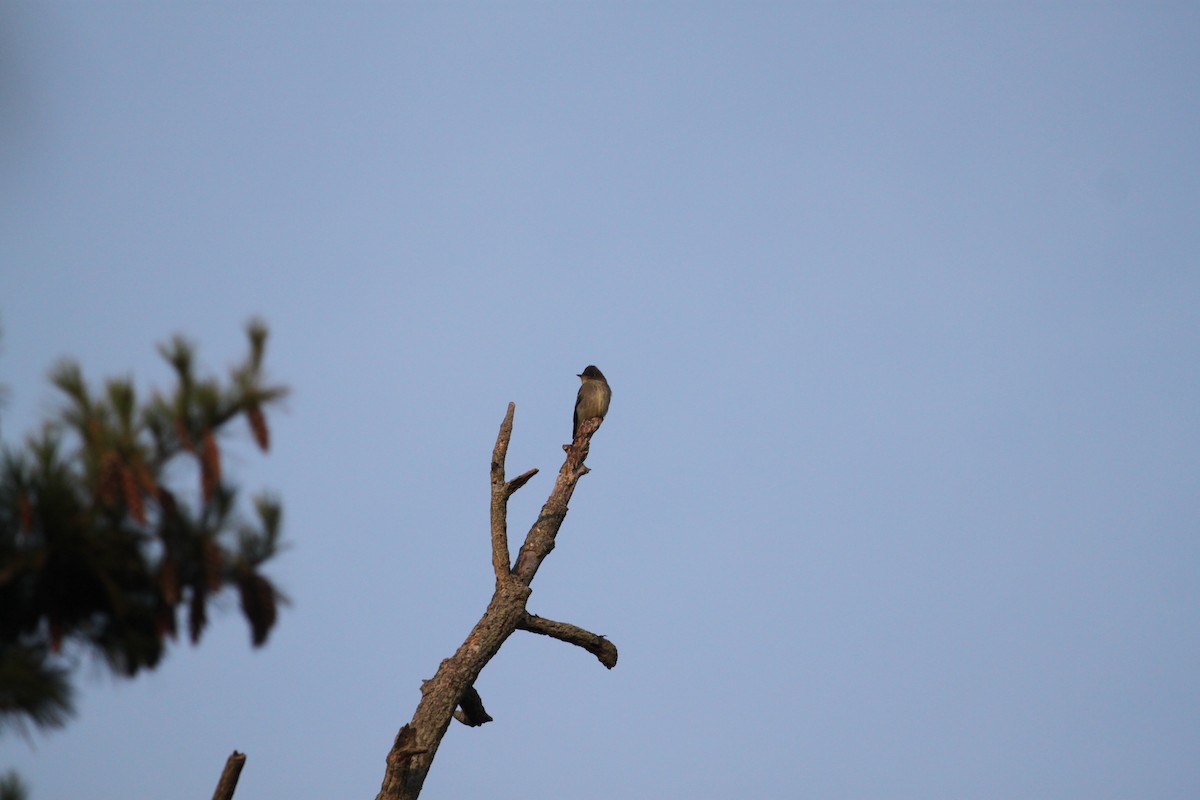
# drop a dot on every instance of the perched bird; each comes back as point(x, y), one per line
point(594, 396)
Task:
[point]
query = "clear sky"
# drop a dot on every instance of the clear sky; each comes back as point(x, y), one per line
point(899, 495)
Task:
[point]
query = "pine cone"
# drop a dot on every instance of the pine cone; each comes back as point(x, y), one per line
point(258, 426)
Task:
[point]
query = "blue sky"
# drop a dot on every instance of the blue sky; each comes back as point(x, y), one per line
point(898, 492)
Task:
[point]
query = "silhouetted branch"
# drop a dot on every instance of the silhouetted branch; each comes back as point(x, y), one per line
point(470, 709)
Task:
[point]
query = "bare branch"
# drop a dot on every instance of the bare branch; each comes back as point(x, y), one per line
point(229, 776)
point(470, 709)
point(594, 643)
point(519, 481)
point(500, 495)
point(452, 685)
point(540, 539)
point(410, 759)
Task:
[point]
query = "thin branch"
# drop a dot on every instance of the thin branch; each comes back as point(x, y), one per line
point(594, 643)
point(519, 481)
point(500, 495)
point(229, 776)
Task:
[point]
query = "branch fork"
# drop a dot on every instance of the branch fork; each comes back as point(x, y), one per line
point(450, 693)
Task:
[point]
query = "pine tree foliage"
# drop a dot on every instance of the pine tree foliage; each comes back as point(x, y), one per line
point(106, 541)
point(12, 787)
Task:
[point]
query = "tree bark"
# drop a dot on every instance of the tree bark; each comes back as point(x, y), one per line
point(452, 685)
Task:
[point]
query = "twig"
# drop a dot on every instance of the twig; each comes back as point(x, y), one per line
point(501, 491)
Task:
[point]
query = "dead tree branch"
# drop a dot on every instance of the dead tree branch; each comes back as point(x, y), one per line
point(453, 685)
point(594, 643)
point(229, 776)
point(470, 709)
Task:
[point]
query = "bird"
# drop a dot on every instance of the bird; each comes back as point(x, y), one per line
point(593, 398)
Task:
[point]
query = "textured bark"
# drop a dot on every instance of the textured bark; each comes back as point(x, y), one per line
point(597, 645)
point(229, 776)
point(452, 685)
